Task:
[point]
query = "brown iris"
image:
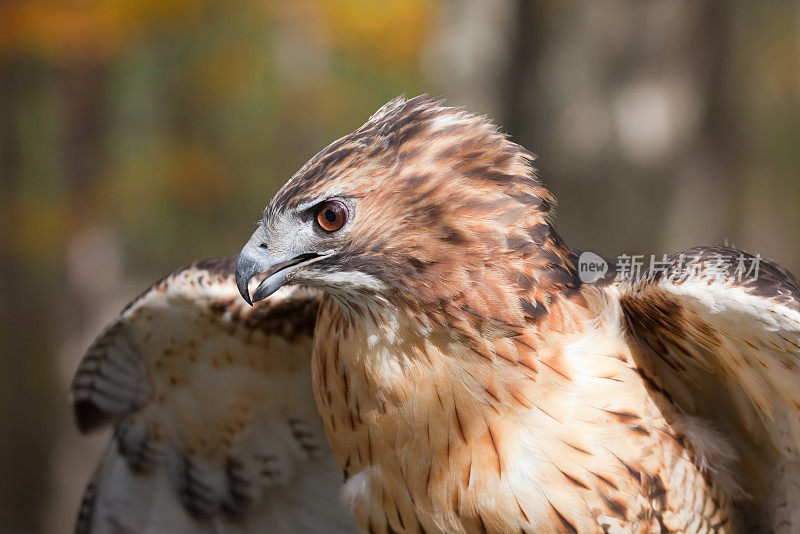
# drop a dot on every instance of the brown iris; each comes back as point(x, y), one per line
point(331, 215)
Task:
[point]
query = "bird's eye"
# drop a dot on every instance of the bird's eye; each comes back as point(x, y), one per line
point(331, 215)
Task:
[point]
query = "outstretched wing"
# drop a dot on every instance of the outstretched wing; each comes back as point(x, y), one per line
point(716, 332)
point(215, 424)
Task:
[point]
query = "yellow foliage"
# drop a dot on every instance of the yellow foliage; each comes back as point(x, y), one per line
point(389, 33)
point(60, 30)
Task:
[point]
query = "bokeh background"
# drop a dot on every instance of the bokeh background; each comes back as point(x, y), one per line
point(136, 136)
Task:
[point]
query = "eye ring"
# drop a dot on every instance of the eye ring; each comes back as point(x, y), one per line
point(331, 215)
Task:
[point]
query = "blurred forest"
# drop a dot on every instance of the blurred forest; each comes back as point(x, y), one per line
point(138, 136)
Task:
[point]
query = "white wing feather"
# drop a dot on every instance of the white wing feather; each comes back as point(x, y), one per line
point(726, 348)
point(216, 426)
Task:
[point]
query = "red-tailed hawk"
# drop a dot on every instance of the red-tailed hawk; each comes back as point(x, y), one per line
point(467, 379)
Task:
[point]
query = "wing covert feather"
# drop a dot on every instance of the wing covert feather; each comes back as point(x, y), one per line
point(725, 347)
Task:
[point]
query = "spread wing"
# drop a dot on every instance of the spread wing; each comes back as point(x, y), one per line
point(216, 429)
point(716, 332)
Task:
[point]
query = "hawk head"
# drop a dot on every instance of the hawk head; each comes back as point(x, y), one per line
point(423, 203)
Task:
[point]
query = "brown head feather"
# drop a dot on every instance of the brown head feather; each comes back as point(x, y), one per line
point(449, 214)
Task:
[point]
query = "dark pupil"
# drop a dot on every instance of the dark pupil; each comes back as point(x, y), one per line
point(330, 215)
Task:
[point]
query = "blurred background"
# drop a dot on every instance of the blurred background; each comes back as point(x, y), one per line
point(138, 136)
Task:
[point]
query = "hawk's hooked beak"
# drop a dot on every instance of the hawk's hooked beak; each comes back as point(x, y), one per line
point(256, 258)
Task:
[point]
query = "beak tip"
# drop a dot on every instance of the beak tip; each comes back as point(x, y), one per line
point(245, 293)
point(243, 273)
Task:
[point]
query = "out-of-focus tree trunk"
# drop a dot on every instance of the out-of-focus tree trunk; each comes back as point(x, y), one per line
point(91, 251)
point(525, 41)
point(26, 381)
point(81, 90)
point(708, 179)
point(468, 57)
